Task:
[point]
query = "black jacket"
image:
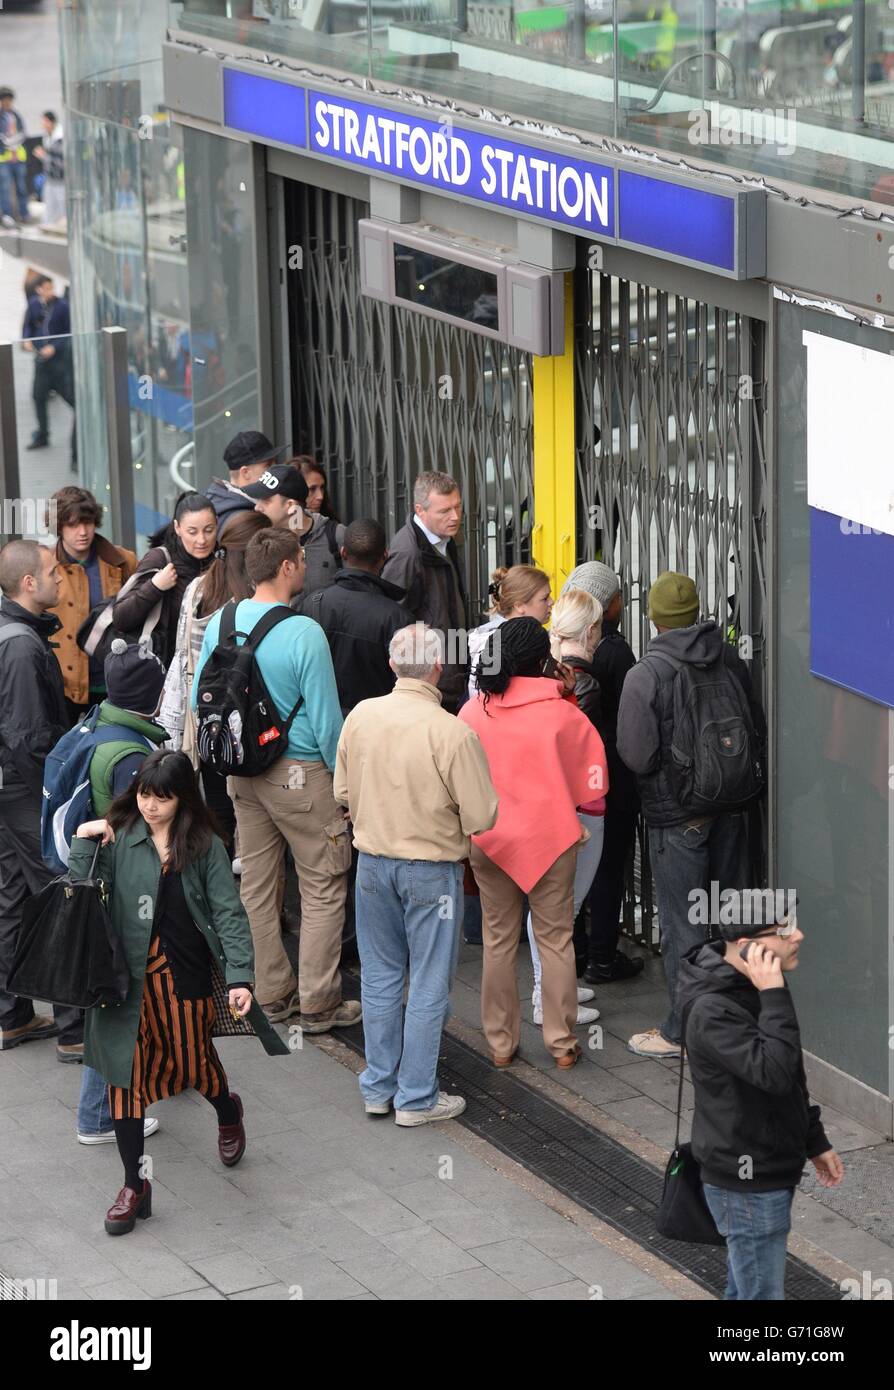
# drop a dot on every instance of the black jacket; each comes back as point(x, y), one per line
point(646, 713)
point(612, 659)
point(751, 1099)
point(586, 689)
point(33, 713)
point(435, 593)
point(359, 614)
point(131, 611)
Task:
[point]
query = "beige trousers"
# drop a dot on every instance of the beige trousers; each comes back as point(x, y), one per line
point(552, 915)
point(293, 804)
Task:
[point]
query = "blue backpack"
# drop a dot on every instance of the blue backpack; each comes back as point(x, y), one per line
point(67, 800)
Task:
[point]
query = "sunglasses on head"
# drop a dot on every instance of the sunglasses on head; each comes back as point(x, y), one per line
point(782, 929)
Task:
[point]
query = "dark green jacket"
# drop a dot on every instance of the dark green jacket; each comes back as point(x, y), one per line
point(131, 868)
point(108, 755)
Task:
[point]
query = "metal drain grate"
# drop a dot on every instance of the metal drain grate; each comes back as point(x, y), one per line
point(593, 1170)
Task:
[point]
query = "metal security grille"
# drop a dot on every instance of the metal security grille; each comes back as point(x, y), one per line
point(380, 394)
point(671, 465)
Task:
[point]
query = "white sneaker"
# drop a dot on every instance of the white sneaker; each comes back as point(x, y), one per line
point(107, 1136)
point(585, 994)
point(583, 1015)
point(378, 1107)
point(446, 1108)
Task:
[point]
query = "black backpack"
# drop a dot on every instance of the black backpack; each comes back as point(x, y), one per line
point(239, 731)
point(715, 762)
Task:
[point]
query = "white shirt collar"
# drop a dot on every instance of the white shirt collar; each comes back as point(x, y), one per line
point(439, 542)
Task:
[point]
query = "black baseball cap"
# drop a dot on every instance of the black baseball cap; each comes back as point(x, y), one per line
point(250, 446)
point(282, 480)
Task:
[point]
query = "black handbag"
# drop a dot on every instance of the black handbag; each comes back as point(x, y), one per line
point(683, 1213)
point(68, 950)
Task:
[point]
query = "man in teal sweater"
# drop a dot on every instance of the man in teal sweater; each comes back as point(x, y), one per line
point(292, 803)
point(134, 679)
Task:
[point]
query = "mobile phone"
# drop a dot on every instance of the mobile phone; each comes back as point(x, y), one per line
point(743, 950)
point(550, 667)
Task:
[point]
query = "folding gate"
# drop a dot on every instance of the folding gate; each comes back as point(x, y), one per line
point(381, 393)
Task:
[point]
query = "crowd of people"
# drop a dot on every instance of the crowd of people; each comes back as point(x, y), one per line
point(267, 684)
point(48, 150)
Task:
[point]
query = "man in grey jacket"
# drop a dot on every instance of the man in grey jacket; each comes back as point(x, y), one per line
point(423, 561)
point(686, 851)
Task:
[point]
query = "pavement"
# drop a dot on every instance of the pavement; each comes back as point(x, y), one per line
point(329, 1204)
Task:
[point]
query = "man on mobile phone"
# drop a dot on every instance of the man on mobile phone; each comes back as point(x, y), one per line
point(754, 1126)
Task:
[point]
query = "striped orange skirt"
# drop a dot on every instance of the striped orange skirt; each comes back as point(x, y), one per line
point(174, 1050)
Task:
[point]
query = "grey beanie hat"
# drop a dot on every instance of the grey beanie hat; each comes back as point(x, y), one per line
point(597, 579)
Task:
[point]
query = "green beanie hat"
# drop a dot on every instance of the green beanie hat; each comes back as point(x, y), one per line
point(673, 600)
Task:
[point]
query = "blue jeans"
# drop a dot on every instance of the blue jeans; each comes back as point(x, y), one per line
point(13, 174)
point(756, 1226)
point(409, 911)
point(684, 858)
point(94, 1116)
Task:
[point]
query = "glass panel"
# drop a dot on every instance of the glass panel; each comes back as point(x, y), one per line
point(127, 223)
point(44, 373)
point(833, 799)
point(447, 286)
point(777, 88)
point(223, 363)
point(794, 89)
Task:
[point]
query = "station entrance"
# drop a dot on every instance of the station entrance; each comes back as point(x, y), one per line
point(669, 403)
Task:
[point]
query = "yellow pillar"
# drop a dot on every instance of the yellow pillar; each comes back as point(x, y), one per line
point(554, 465)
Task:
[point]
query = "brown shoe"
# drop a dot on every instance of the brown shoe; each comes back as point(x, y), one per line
point(122, 1215)
point(69, 1052)
point(570, 1058)
point(344, 1015)
point(29, 1032)
point(503, 1061)
point(231, 1138)
point(282, 1009)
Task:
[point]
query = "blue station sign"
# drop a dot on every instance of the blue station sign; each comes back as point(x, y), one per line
point(676, 219)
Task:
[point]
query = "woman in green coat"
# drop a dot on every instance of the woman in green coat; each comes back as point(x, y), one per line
point(186, 938)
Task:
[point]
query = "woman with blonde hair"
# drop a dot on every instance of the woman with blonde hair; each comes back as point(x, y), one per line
point(519, 592)
point(575, 633)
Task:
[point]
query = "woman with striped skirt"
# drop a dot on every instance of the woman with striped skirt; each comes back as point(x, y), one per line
point(174, 903)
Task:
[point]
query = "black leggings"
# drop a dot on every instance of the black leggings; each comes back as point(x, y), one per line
point(129, 1136)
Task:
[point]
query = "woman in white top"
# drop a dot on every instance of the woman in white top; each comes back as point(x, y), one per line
point(224, 579)
point(519, 592)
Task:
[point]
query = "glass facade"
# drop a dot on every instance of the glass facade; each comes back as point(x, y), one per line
point(787, 89)
point(834, 758)
point(127, 225)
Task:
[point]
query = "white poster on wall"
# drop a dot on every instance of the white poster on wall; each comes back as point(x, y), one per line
point(850, 432)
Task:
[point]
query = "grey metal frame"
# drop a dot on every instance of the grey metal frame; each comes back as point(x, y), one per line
point(115, 367)
point(381, 393)
point(677, 478)
point(9, 444)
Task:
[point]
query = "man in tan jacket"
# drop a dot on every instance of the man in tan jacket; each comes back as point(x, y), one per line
point(417, 785)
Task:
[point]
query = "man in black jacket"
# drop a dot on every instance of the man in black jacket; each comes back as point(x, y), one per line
point(47, 333)
point(33, 717)
point(612, 660)
point(753, 1126)
point(359, 613)
point(425, 564)
point(686, 851)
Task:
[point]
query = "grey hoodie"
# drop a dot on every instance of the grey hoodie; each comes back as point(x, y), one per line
point(645, 714)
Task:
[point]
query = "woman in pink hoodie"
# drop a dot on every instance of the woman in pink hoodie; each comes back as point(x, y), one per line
point(546, 759)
